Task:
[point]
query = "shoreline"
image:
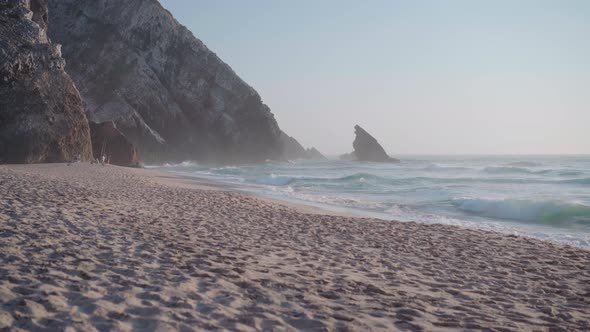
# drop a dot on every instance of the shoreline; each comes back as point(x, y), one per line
point(191, 182)
point(93, 247)
point(506, 227)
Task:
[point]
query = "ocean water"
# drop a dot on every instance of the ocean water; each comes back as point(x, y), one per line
point(546, 197)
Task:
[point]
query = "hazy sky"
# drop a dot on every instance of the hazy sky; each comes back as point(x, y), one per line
point(444, 77)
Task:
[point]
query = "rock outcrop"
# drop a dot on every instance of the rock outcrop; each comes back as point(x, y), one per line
point(292, 150)
point(366, 148)
point(108, 141)
point(313, 153)
point(134, 64)
point(41, 114)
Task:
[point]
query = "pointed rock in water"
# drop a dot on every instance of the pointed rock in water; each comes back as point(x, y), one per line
point(166, 91)
point(366, 147)
point(109, 141)
point(41, 113)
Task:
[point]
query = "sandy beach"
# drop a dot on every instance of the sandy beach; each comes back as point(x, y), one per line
point(103, 248)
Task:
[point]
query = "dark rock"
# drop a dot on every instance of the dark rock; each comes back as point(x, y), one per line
point(134, 64)
point(292, 150)
point(313, 153)
point(110, 142)
point(41, 114)
point(366, 148)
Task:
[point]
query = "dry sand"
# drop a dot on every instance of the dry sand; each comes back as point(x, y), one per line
point(89, 247)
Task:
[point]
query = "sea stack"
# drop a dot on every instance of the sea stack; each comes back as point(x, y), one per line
point(367, 148)
point(41, 113)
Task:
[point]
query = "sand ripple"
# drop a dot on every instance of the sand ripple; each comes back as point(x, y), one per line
point(96, 248)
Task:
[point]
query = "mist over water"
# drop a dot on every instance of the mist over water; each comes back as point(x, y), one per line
point(546, 197)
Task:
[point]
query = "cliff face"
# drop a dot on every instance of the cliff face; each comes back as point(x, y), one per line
point(41, 113)
point(166, 91)
point(108, 141)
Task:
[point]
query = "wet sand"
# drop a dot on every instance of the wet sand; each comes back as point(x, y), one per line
point(98, 248)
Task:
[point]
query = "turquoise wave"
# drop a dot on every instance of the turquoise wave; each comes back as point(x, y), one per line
point(552, 213)
point(549, 192)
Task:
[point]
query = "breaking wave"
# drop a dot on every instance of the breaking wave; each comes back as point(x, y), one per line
point(513, 169)
point(554, 213)
point(547, 197)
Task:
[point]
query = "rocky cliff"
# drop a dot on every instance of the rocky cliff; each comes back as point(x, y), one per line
point(166, 91)
point(109, 142)
point(41, 113)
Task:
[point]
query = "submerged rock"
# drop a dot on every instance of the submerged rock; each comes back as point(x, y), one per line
point(41, 113)
point(108, 141)
point(165, 90)
point(366, 148)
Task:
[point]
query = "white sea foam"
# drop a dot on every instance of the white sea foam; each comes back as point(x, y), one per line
point(544, 197)
point(542, 211)
point(274, 180)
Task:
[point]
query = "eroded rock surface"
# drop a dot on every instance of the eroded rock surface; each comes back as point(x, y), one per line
point(367, 148)
point(292, 149)
point(134, 64)
point(41, 113)
point(109, 141)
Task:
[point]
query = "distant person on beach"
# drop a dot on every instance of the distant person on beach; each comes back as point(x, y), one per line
point(103, 159)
